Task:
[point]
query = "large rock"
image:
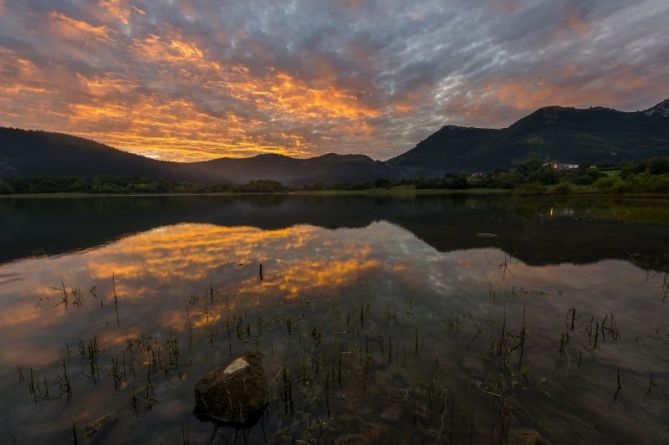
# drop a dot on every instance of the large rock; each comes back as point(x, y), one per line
point(235, 395)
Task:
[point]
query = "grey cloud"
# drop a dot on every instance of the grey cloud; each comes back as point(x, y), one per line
point(468, 62)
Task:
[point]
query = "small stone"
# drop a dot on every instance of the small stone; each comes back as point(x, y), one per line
point(235, 395)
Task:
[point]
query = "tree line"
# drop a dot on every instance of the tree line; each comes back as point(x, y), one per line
point(532, 176)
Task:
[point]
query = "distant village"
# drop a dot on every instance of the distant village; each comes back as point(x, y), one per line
point(555, 165)
point(559, 165)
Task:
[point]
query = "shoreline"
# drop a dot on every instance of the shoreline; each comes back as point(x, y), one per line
point(397, 192)
point(375, 192)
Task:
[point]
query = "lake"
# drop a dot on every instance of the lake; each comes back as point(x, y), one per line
point(424, 319)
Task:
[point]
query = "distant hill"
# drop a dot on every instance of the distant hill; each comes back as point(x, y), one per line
point(37, 153)
point(564, 134)
point(328, 169)
point(51, 154)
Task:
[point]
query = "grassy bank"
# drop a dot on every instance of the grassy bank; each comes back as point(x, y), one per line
point(398, 192)
point(403, 191)
point(533, 178)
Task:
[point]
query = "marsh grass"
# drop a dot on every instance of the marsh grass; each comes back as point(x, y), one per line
point(338, 369)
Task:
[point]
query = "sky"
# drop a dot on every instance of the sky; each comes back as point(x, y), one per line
point(189, 80)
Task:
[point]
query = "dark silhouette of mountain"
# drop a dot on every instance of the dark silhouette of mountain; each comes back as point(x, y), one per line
point(592, 135)
point(524, 229)
point(569, 135)
point(659, 110)
point(52, 154)
point(328, 169)
point(37, 153)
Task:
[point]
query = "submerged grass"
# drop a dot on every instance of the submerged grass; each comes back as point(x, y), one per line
point(343, 371)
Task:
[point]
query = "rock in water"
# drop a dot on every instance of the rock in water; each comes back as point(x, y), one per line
point(235, 395)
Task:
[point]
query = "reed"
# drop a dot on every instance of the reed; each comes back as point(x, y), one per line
point(619, 386)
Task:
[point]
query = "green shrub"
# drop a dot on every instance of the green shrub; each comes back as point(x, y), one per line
point(563, 188)
point(654, 184)
point(583, 180)
point(658, 166)
point(605, 183)
point(6, 188)
point(529, 189)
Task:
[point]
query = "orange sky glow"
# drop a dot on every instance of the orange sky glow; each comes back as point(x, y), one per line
point(193, 80)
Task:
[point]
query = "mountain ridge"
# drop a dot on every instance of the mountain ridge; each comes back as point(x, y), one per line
point(659, 110)
point(38, 153)
point(566, 134)
point(595, 135)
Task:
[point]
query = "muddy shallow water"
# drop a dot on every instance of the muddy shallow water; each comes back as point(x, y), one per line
point(424, 320)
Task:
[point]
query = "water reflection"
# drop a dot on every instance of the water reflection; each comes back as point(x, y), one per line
point(156, 270)
point(423, 282)
point(535, 230)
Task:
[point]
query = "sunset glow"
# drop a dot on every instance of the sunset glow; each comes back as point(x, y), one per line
point(194, 80)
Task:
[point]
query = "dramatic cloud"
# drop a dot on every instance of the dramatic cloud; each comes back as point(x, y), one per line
point(198, 79)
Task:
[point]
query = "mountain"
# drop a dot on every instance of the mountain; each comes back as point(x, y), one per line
point(573, 135)
point(52, 154)
point(563, 134)
point(659, 110)
point(38, 153)
point(327, 169)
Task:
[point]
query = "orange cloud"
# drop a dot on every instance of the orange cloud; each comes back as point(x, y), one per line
point(103, 85)
point(92, 113)
point(120, 10)
point(190, 83)
point(173, 49)
point(290, 93)
point(177, 130)
point(71, 28)
point(19, 76)
point(403, 108)
point(528, 95)
point(108, 107)
point(285, 94)
point(571, 86)
point(627, 79)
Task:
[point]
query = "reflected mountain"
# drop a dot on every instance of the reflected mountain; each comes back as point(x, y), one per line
point(537, 231)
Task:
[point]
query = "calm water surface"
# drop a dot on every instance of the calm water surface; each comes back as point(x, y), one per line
point(423, 320)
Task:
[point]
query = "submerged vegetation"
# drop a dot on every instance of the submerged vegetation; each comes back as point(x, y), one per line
point(350, 371)
point(369, 333)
